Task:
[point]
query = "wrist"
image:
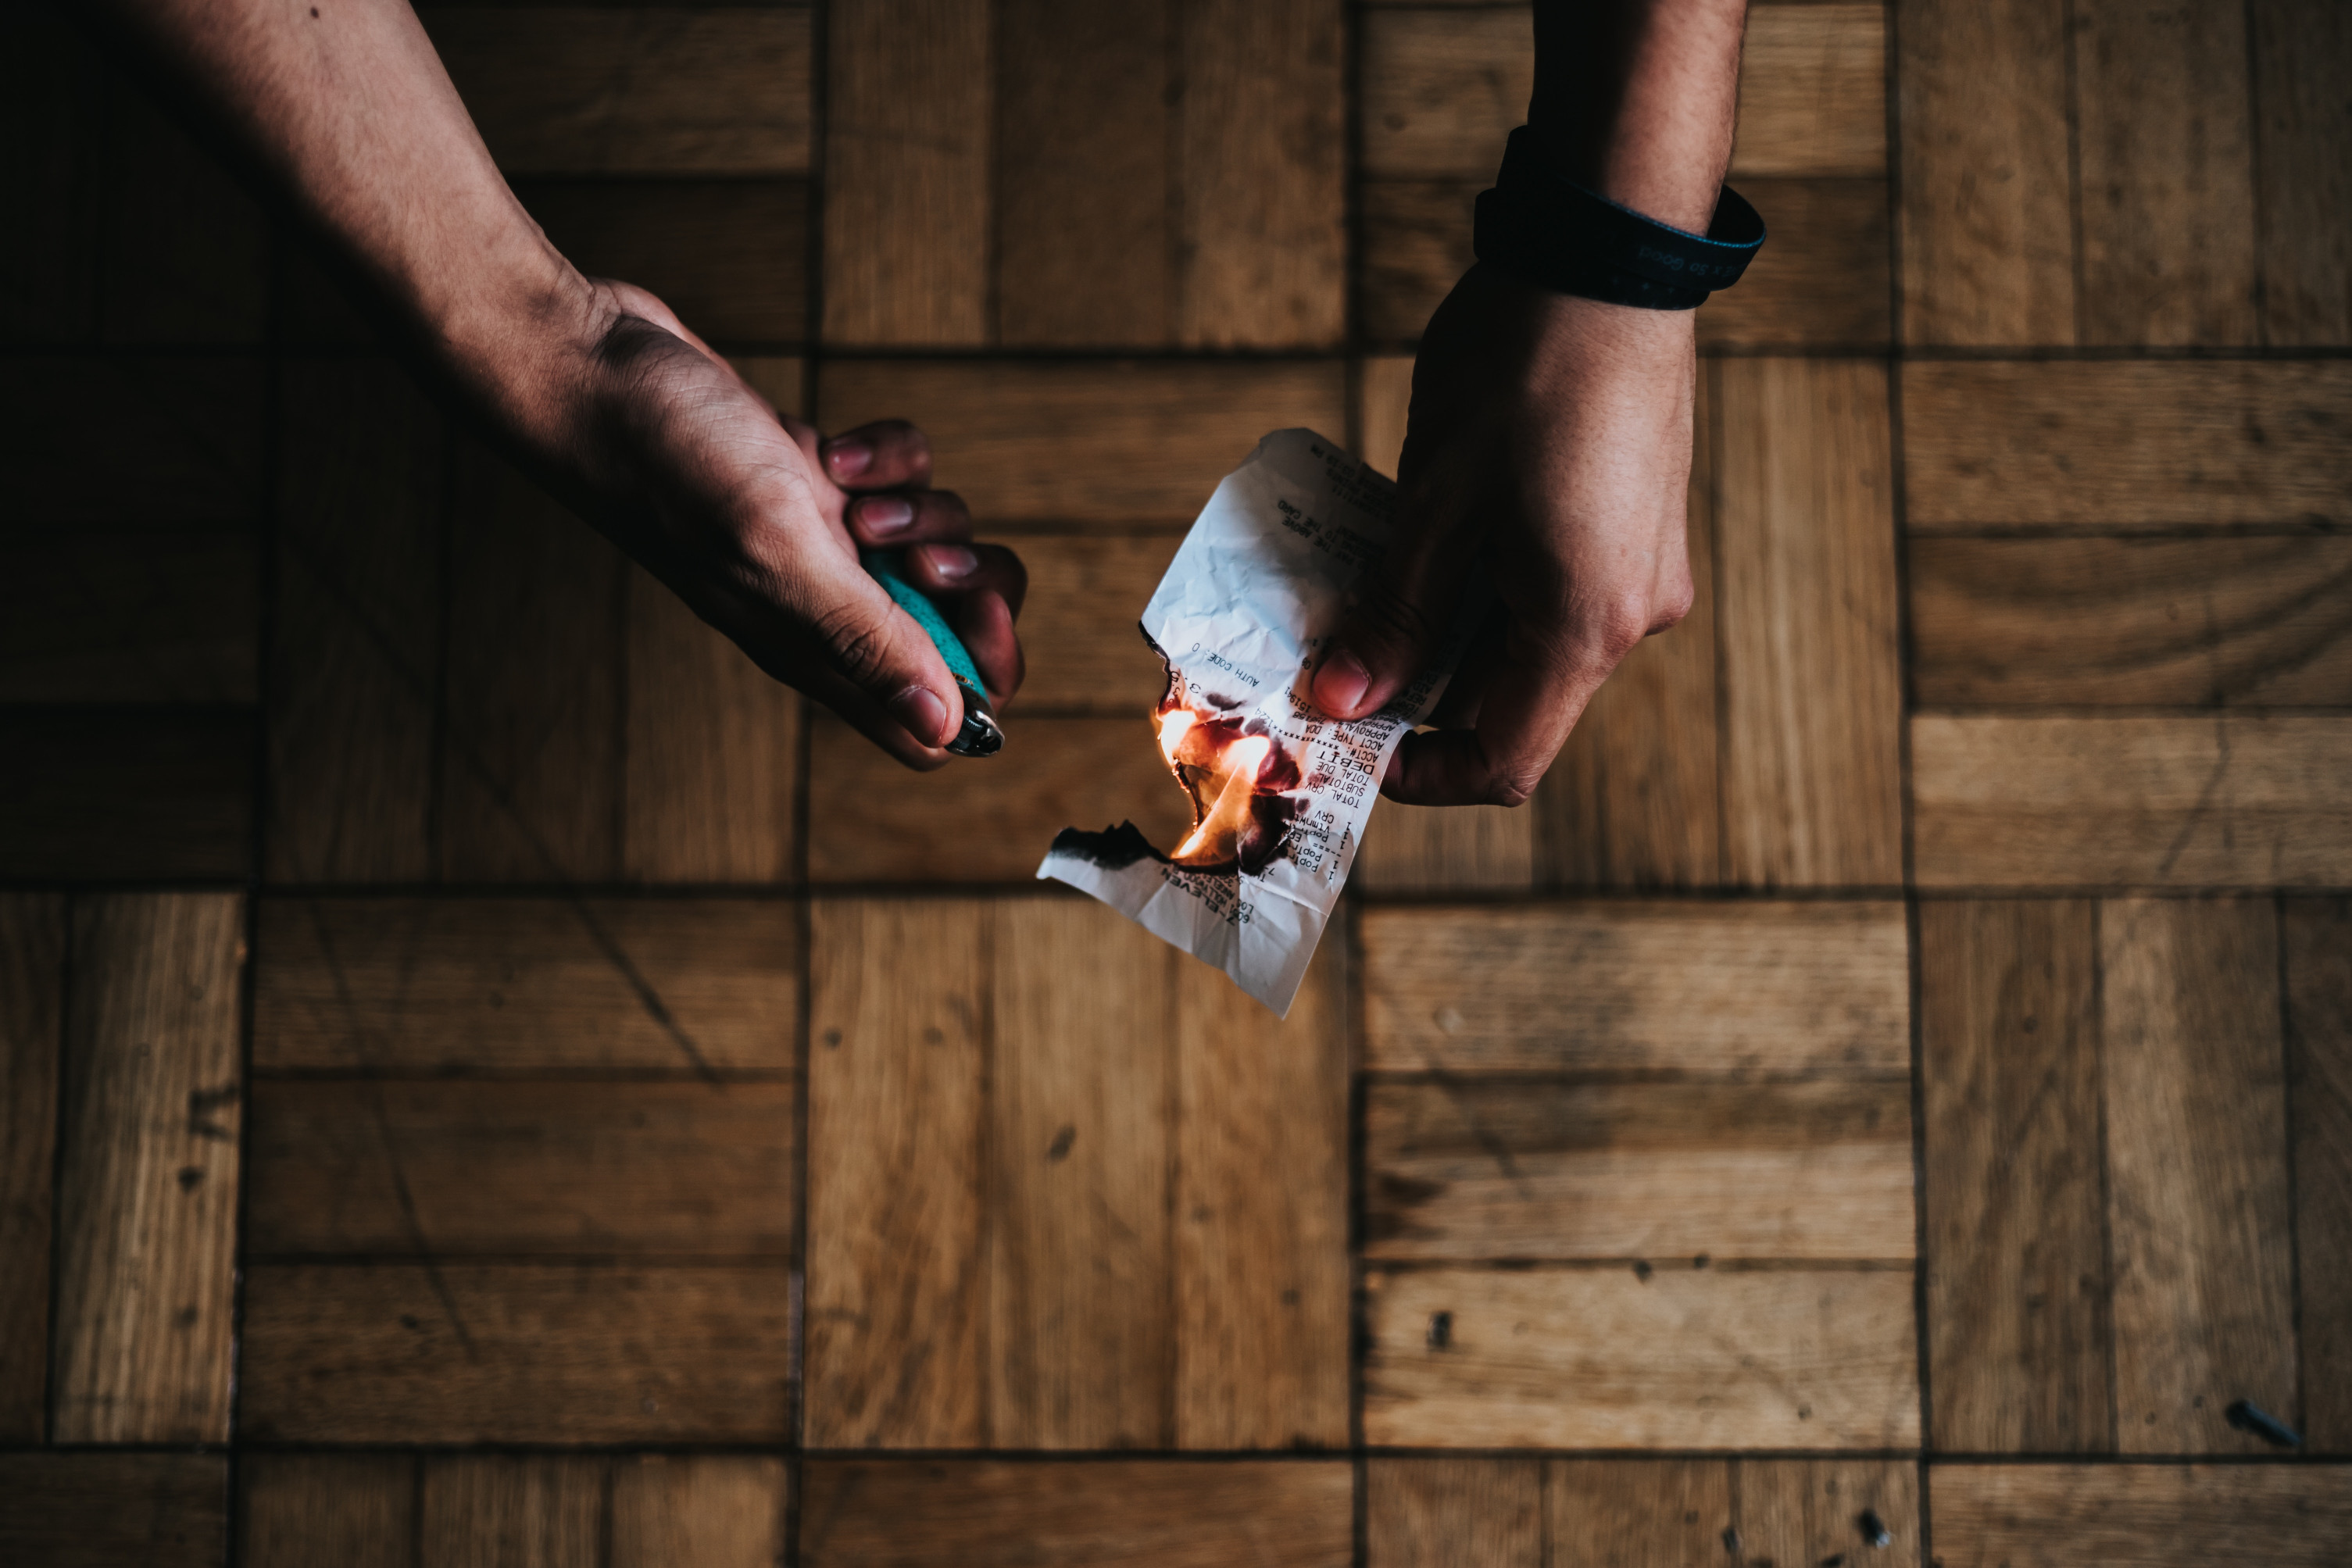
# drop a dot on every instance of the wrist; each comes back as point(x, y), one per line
point(518, 335)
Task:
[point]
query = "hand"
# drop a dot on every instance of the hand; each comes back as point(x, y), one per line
point(1549, 440)
point(755, 521)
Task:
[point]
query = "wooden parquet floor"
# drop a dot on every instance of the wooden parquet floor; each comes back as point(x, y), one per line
point(488, 1079)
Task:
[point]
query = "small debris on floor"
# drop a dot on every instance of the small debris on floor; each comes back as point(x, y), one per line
point(1731, 1539)
point(2247, 1417)
point(1440, 1330)
point(1874, 1528)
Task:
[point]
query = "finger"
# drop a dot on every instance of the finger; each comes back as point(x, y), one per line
point(888, 455)
point(1457, 705)
point(943, 570)
point(985, 622)
point(878, 650)
point(1533, 697)
point(1399, 616)
point(909, 517)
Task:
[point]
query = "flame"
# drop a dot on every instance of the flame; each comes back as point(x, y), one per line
point(1220, 831)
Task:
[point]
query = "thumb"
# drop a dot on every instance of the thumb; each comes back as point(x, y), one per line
point(886, 677)
point(1398, 614)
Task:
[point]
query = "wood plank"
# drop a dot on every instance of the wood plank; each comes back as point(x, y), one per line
point(1260, 1206)
point(870, 820)
point(2199, 1219)
point(131, 618)
point(711, 743)
point(1383, 400)
point(1447, 849)
point(782, 379)
point(1415, 243)
point(1262, 152)
point(1987, 213)
point(1628, 986)
point(636, 91)
point(1644, 1513)
point(714, 1510)
point(148, 1182)
point(32, 1015)
point(356, 643)
point(1442, 89)
point(1086, 192)
point(2222, 801)
point(1813, 698)
point(1813, 1511)
point(519, 985)
point(729, 257)
point(196, 424)
point(2017, 1282)
point(2164, 132)
point(1085, 441)
point(531, 768)
point(463, 1353)
point(2302, 49)
point(898, 1284)
point(297, 1511)
point(2316, 935)
point(907, 190)
point(114, 1510)
point(2124, 444)
point(54, 93)
point(1081, 1334)
point(2080, 622)
point(2139, 1516)
point(184, 251)
point(882, 1513)
point(1634, 798)
point(453, 1169)
point(1080, 628)
point(511, 1511)
point(1521, 1170)
point(1605, 1358)
point(1434, 1513)
point(106, 794)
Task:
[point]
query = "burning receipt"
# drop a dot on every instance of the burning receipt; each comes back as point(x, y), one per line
point(1280, 793)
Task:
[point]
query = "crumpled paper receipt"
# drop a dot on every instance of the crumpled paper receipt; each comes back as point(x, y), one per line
point(1280, 792)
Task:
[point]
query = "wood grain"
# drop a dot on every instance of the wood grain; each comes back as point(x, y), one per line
point(356, 638)
point(1414, 243)
point(1603, 1358)
point(195, 423)
point(1435, 1513)
point(2317, 937)
point(898, 1283)
point(1447, 849)
point(1620, 986)
point(481, 1352)
point(2225, 801)
point(1085, 441)
point(2193, 622)
point(637, 91)
point(148, 1177)
point(1515, 1170)
point(102, 794)
point(455, 1169)
point(2199, 1219)
point(1811, 691)
point(907, 189)
point(131, 618)
point(490, 1511)
point(114, 1510)
point(296, 1511)
point(1262, 151)
point(1383, 400)
point(1084, 179)
point(1643, 1513)
point(1813, 91)
point(1809, 1511)
point(1987, 214)
point(711, 743)
point(872, 821)
point(1081, 1338)
point(532, 766)
point(1261, 1210)
point(2018, 1330)
point(2164, 134)
point(1080, 625)
point(444, 985)
point(2125, 445)
point(32, 1045)
point(2302, 48)
point(713, 1510)
point(2139, 1516)
point(883, 1513)
point(729, 256)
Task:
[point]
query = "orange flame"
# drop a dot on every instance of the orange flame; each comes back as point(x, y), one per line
point(1221, 772)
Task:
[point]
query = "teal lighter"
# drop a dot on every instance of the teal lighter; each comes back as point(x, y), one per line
point(980, 735)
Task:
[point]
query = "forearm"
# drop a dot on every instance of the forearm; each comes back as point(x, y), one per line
point(1634, 99)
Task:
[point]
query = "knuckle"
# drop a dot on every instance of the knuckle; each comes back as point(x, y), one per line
point(857, 643)
point(1620, 623)
point(1392, 618)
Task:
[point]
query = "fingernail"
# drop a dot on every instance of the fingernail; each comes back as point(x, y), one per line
point(925, 717)
point(1341, 684)
point(953, 563)
point(848, 459)
point(886, 514)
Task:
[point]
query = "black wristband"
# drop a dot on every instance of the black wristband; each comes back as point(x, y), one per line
point(1540, 225)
